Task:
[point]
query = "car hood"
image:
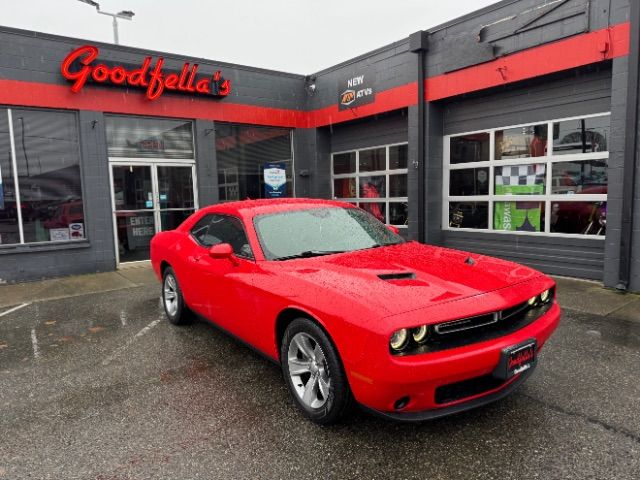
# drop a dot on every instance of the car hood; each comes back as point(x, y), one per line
point(405, 277)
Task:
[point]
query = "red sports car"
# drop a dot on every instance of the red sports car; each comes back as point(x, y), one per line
point(354, 313)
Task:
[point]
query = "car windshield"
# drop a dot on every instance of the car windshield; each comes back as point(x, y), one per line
point(320, 231)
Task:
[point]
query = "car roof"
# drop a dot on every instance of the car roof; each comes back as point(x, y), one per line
point(252, 208)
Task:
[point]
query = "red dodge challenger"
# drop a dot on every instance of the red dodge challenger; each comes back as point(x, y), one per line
point(354, 313)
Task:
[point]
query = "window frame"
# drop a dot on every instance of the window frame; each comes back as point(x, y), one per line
point(231, 217)
point(14, 166)
point(387, 172)
point(548, 160)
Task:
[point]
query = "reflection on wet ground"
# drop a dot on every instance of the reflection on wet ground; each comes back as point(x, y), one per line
point(101, 386)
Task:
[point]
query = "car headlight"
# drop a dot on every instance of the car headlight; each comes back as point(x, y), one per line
point(419, 334)
point(545, 296)
point(399, 339)
point(532, 301)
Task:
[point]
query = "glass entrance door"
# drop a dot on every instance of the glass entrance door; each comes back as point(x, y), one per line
point(148, 198)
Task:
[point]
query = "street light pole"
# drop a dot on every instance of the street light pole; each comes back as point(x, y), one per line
point(124, 14)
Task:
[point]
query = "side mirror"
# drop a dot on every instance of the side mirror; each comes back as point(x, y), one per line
point(394, 229)
point(221, 250)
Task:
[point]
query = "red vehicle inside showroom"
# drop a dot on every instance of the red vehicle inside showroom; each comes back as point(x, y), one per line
point(353, 312)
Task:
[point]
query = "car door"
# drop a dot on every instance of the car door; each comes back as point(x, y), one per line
point(223, 287)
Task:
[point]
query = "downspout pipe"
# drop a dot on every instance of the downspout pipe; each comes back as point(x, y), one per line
point(630, 151)
point(418, 43)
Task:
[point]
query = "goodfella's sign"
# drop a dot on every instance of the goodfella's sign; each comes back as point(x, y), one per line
point(80, 66)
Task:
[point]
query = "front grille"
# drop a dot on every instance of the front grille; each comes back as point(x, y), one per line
point(486, 327)
point(479, 328)
point(466, 388)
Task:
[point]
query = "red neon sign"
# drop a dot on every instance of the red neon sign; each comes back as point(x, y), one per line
point(154, 80)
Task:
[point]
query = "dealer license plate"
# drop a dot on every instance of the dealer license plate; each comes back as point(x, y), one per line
point(516, 359)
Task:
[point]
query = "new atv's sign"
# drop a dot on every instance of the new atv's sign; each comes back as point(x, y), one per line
point(80, 66)
point(355, 91)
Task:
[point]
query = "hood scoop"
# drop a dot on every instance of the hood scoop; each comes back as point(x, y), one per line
point(397, 276)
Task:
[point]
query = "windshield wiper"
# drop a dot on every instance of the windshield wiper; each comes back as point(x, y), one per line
point(378, 245)
point(310, 253)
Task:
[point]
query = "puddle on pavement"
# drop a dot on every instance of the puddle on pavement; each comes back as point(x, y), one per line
point(619, 332)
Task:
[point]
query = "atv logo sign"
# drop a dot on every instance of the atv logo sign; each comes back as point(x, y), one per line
point(355, 91)
point(348, 97)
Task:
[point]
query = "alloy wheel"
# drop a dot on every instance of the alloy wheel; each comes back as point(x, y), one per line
point(170, 291)
point(308, 370)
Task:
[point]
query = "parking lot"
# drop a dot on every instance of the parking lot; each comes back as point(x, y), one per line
point(101, 386)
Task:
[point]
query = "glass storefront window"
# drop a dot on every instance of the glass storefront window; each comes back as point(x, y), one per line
point(132, 187)
point(373, 160)
point(534, 180)
point(398, 213)
point(140, 137)
point(469, 181)
point(245, 153)
point(473, 147)
point(521, 142)
point(398, 155)
point(397, 185)
point(354, 182)
point(345, 187)
point(585, 177)
point(135, 230)
point(583, 218)
point(468, 214)
point(520, 179)
point(344, 163)
point(582, 135)
point(373, 187)
point(377, 209)
point(47, 162)
point(9, 228)
point(175, 187)
point(519, 216)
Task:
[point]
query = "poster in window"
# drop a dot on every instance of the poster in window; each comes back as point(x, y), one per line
point(76, 231)
point(275, 180)
point(59, 234)
point(519, 216)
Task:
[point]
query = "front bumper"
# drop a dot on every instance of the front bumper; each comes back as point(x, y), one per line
point(421, 377)
point(476, 402)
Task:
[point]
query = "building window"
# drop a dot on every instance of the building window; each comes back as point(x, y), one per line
point(253, 162)
point(139, 137)
point(542, 178)
point(40, 186)
point(375, 179)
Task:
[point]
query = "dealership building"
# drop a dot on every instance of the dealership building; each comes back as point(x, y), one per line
point(499, 132)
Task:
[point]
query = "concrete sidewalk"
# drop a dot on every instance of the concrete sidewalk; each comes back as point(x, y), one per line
point(133, 275)
point(578, 295)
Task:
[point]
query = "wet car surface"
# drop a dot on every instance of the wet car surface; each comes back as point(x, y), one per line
point(101, 386)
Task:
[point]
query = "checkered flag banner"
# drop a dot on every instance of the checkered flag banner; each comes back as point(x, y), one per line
point(527, 175)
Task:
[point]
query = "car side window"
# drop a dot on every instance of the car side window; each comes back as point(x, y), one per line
point(213, 229)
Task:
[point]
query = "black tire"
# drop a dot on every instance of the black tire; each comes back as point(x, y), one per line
point(339, 400)
point(180, 315)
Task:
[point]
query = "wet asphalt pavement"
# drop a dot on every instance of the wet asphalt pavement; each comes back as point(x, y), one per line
point(102, 387)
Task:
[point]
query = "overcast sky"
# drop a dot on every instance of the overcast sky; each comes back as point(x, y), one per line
point(300, 36)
